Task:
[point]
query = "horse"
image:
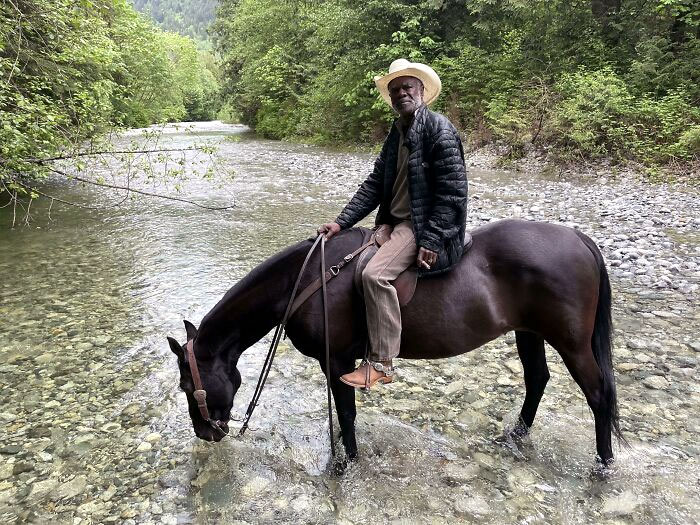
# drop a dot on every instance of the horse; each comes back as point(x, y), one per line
point(546, 282)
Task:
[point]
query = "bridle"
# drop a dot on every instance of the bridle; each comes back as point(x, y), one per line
point(200, 394)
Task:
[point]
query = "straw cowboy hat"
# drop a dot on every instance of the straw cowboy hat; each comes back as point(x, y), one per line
point(404, 68)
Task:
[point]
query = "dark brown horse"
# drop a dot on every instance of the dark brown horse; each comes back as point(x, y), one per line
point(546, 282)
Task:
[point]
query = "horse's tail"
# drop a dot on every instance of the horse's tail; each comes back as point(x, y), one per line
point(601, 340)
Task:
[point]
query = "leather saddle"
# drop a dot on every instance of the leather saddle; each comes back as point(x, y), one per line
point(406, 282)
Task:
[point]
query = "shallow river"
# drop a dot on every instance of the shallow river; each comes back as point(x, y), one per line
point(93, 428)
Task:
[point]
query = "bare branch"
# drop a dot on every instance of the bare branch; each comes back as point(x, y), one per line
point(94, 153)
point(14, 209)
point(27, 217)
point(19, 45)
point(141, 192)
point(57, 199)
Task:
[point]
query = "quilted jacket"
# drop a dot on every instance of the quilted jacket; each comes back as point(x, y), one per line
point(437, 180)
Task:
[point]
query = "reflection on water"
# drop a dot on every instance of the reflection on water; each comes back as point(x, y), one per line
point(95, 430)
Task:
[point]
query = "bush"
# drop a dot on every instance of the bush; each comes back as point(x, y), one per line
point(591, 118)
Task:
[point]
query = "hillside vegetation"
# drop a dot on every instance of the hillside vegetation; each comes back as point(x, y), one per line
point(189, 18)
point(587, 79)
point(69, 71)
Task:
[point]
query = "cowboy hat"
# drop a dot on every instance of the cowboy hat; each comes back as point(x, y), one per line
point(404, 68)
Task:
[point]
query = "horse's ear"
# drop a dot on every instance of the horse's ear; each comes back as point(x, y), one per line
point(190, 329)
point(176, 348)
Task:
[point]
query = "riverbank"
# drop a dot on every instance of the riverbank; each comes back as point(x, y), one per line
point(498, 157)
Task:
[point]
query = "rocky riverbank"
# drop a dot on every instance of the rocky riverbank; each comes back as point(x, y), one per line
point(538, 162)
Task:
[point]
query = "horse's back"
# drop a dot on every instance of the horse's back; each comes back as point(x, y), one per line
point(517, 275)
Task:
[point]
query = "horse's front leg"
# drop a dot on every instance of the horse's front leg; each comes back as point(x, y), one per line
point(344, 397)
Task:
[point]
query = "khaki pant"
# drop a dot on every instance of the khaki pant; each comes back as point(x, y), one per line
point(383, 311)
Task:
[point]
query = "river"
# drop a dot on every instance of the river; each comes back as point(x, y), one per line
point(95, 430)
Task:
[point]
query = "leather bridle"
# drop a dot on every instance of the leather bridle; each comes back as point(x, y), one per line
point(200, 395)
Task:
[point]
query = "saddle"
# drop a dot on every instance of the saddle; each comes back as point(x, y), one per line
point(406, 282)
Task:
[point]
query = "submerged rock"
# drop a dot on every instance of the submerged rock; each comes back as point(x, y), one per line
point(623, 504)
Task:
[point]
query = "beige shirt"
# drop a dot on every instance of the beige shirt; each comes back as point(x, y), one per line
point(401, 200)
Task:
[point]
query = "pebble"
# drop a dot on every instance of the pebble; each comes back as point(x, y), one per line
point(623, 504)
point(72, 488)
point(153, 437)
point(472, 505)
point(112, 426)
point(144, 446)
point(655, 382)
point(41, 489)
point(22, 466)
point(254, 486)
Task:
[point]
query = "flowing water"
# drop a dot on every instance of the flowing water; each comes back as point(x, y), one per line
point(95, 430)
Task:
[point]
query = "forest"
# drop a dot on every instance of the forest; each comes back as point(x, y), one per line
point(578, 80)
point(583, 80)
point(72, 71)
point(185, 17)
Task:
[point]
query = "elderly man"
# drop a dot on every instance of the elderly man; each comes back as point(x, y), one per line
point(419, 182)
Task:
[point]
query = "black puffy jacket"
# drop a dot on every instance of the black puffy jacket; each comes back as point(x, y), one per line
point(437, 181)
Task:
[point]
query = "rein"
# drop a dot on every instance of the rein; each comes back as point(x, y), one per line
point(294, 303)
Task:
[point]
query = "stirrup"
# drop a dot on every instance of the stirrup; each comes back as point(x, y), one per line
point(379, 367)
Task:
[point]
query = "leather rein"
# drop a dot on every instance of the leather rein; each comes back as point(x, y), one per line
point(200, 394)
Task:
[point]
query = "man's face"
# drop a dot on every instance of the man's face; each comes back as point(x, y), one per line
point(406, 95)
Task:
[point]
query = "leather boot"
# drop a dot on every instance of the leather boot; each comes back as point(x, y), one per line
point(368, 374)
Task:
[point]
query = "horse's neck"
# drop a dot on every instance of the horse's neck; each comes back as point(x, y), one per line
point(255, 304)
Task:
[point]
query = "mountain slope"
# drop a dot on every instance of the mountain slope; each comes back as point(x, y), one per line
point(187, 17)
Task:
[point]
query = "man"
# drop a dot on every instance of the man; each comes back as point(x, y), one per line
point(419, 182)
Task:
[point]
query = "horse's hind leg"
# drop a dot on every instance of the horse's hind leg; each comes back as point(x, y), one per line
point(581, 363)
point(531, 352)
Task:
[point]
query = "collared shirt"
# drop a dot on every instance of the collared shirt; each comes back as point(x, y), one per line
point(401, 200)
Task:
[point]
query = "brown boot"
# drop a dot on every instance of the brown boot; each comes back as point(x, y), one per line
point(368, 374)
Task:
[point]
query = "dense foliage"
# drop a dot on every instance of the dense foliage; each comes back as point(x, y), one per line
point(594, 78)
point(71, 70)
point(187, 17)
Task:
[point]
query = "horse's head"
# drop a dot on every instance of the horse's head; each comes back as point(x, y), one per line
point(220, 381)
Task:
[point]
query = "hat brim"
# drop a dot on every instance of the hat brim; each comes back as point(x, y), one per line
point(431, 83)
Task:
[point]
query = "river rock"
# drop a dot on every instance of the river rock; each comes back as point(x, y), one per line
point(458, 472)
point(6, 471)
point(41, 489)
point(10, 449)
point(144, 446)
point(112, 426)
point(472, 505)
point(72, 488)
point(109, 493)
point(623, 504)
point(22, 466)
point(253, 487)
point(153, 437)
point(655, 382)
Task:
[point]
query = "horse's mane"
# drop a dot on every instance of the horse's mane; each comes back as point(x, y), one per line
point(245, 291)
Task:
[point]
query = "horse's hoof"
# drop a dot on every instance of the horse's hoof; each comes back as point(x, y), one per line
point(603, 468)
point(340, 467)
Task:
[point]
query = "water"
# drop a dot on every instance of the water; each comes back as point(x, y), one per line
point(94, 428)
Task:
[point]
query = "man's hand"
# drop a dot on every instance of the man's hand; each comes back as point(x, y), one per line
point(330, 229)
point(426, 258)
